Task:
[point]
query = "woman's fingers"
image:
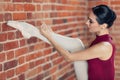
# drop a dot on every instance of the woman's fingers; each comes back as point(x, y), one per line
point(46, 28)
point(50, 29)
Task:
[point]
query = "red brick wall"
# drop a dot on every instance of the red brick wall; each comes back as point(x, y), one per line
point(24, 59)
point(115, 30)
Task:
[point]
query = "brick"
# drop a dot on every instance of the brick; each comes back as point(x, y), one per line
point(2, 57)
point(10, 73)
point(38, 7)
point(0, 27)
point(1, 67)
point(32, 64)
point(11, 45)
point(1, 7)
point(53, 14)
point(48, 21)
point(57, 61)
point(115, 2)
point(9, 7)
point(14, 78)
point(39, 62)
point(10, 55)
point(54, 56)
point(53, 70)
point(46, 66)
point(10, 64)
point(21, 51)
point(21, 77)
point(39, 46)
point(1, 17)
point(38, 24)
point(46, 73)
point(67, 75)
point(73, 77)
point(11, 35)
point(22, 42)
point(59, 7)
point(7, 0)
point(46, 7)
point(19, 16)
point(32, 56)
point(19, 7)
point(40, 77)
point(22, 68)
point(1, 47)
point(70, 8)
point(39, 54)
point(32, 40)
point(21, 60)
point(38, 15)
point(28, 0)
point(55, 76)
point(103, 2)
point(47, 52)
point(57, 21)
point(63, 64)
point(5, 27)
point(56, 28)
point(53, 1)
point(47, 58)
point(2, 76)
point(75, 2)
point(33, 72)
point(46, 15)
point(39, 69)
point(38, 1)
point(62, 1)
point(29, 7)
point(31, 48)
point(18, 0)
point(8, 16)
point(49, 78)
point(18, 34)
point(29, 16)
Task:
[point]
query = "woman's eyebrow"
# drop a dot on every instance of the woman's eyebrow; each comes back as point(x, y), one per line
point(89, 18)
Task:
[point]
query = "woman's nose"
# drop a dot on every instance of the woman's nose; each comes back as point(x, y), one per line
point(87, 23)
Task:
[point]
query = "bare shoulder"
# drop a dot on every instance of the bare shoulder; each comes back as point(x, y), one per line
point(102, 50)
point(104, 44)
point(106, 49)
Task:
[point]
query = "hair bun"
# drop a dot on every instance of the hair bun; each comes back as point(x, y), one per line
point(104, 15)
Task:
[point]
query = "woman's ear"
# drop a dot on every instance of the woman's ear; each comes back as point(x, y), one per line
point(104, 26)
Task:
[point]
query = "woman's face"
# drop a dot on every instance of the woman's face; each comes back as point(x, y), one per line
point(92, 23)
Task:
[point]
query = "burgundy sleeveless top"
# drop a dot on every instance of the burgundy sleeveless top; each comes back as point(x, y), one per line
point(102, 69)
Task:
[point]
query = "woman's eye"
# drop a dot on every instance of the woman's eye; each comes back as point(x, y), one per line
point(90, 21)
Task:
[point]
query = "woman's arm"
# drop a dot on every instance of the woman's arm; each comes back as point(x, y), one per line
point(102, 50)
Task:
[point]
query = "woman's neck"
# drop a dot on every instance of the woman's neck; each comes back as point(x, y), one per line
point(103, 32)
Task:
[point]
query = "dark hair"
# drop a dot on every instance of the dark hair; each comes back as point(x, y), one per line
point(104, 15)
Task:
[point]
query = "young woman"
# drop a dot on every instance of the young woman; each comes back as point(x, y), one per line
point(100, 54)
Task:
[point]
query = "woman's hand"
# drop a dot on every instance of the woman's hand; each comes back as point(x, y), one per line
point(46, 30)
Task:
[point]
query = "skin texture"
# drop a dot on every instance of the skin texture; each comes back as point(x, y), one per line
point(90, 53)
